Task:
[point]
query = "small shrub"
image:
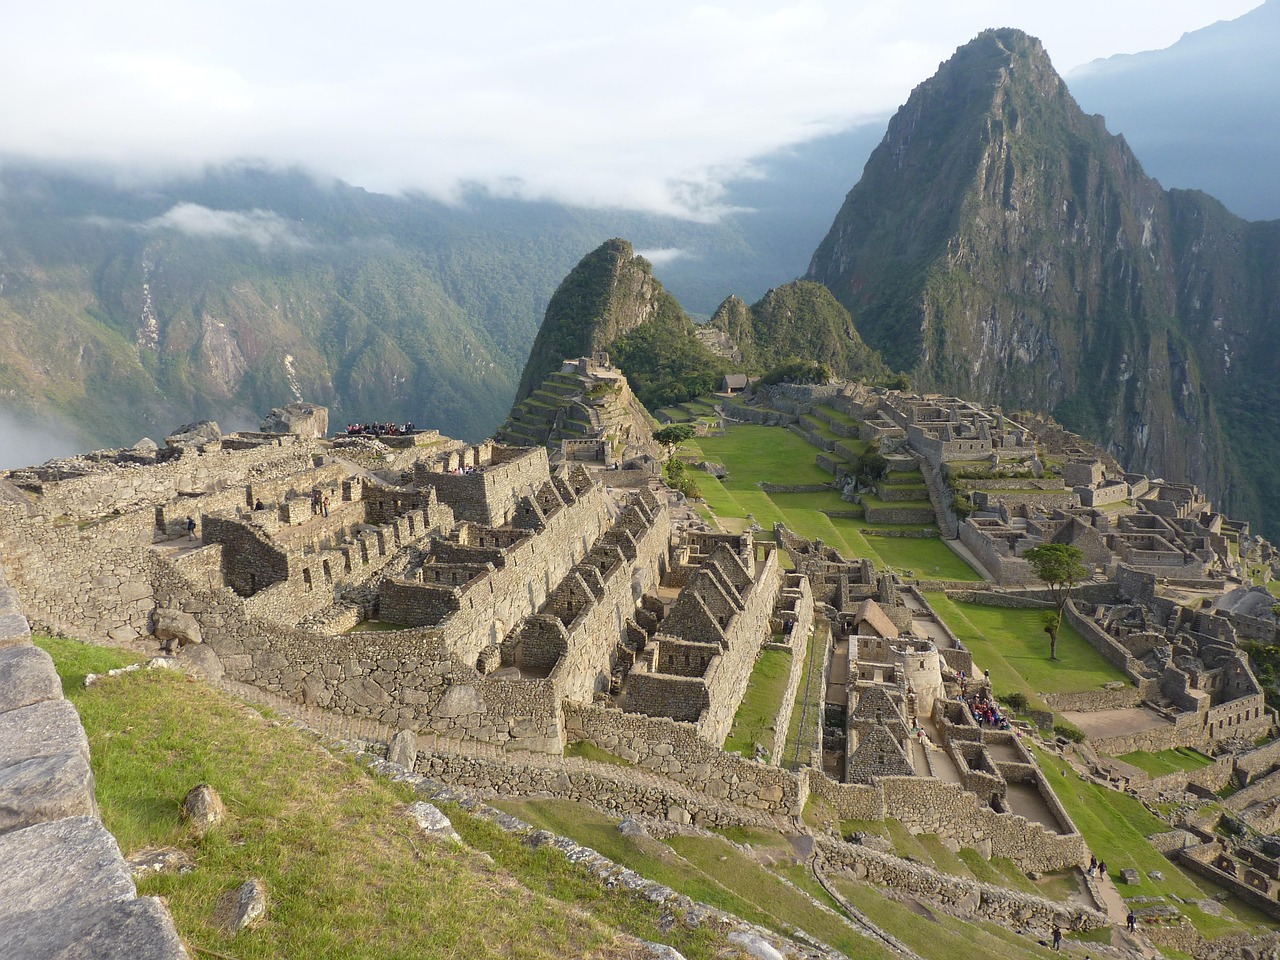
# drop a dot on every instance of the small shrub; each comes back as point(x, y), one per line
point(1070, 731)
point(1016, 701)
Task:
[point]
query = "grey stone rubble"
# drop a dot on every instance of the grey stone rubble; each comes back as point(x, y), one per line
point(65, 890)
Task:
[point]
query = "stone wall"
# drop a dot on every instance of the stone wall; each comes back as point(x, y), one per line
point(898, 513)
point(928, 805)
point(677, 751)
point(65, 890)
point(483, 613)
point(93, 581)
point(617, 790)
point(490, 495)
point(125, 488)
point(980, 900)
point(1256, 763)
point(1005, 567)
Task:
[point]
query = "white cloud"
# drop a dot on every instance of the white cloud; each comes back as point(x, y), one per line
point(661, 256)
point(258, 226)
point(606, 104)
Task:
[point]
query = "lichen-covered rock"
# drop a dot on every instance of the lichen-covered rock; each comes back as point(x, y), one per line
point(202, 808)
point(432, 822)
point(241, 907)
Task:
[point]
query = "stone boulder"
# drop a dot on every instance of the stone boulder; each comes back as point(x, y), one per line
point(176, 628)
point(241, 907)
point(302, 419)
point(432, 822)
point(202, 808)
point(197, 434)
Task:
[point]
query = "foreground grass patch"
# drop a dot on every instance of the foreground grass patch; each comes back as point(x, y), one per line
point(349, 875)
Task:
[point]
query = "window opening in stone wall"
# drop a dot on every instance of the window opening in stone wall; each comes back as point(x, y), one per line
point(328, 572)
point(306, 581)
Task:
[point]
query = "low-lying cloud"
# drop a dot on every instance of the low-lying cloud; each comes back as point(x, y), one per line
point(661, 256)
point(257, 226)
point(25, 443)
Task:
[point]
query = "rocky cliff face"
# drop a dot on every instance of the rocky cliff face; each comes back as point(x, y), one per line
point(1002, 245)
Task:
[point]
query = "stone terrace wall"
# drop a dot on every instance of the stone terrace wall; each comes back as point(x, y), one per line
point(1256, 763)
point(675, 749)
point(65, 890)
point(986, 901)
point(403, 678)
point(616, 790)
point(934, 806)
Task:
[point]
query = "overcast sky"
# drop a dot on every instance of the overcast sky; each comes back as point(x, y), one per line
point(648, 105)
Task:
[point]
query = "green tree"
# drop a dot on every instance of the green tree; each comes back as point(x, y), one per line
point(673, 435)
point(1061, 567)
point(870, 468)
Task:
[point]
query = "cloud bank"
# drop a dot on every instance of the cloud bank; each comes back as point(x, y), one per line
point(595, 104)
point(257, 226)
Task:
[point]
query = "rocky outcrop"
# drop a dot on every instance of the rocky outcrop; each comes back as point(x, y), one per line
point(64, 888)
point(1001, 245)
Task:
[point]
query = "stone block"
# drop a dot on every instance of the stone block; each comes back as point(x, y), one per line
point(403, 748)
point(460, 699)
point(27, 676)
point(138, 929)
point(364, 692)
point(13, 628)
point(41, 730)
point(45, 788)
point(59, 867)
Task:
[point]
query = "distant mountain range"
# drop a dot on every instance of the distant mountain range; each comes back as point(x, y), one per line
point(1203, 114)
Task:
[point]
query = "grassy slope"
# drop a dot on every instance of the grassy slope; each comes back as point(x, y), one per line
point(705, 868)
point(1115, 826)
point(1167, 761)
point(348, 875)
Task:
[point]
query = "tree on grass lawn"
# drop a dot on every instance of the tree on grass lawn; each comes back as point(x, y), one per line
point(1061, 567)
point(674, 435)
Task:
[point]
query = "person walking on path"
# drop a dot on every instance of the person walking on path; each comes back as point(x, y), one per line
point(191, 527)
point(1131, 921)
point(1057, 937)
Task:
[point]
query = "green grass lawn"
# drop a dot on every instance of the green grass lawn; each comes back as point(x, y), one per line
point(348, 874)
point(755, 453)
point(1012, 644)
point(758, 712)
point(1115, 827)
point(1167, 761)
point(770, 454)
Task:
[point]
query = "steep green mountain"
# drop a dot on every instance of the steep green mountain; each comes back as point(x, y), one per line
point(611, 302)
point(798, 319)
point(1002, 245)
